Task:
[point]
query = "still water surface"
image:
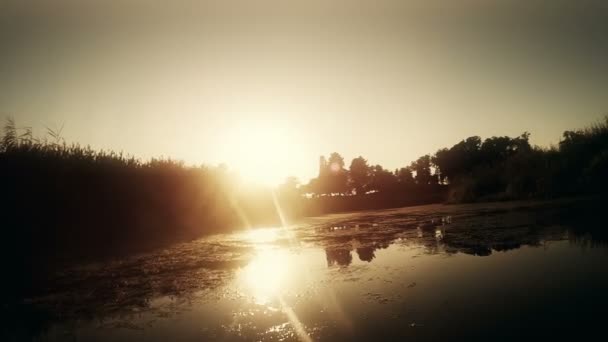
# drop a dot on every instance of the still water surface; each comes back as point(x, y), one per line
point(491, 271)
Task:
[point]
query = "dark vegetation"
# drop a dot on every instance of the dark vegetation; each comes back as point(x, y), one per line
point(497, 168)
point(63, 201)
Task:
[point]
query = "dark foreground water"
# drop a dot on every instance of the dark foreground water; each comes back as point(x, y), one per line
point(492, 271)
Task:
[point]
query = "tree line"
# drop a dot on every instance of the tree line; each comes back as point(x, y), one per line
point(497, 168)
point(361, 178)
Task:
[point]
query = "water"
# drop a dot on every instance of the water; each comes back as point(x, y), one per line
point(493, 271)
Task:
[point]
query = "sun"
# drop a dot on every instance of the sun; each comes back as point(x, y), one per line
point(260, 151)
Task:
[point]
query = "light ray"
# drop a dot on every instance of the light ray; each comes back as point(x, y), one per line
point(295, 322)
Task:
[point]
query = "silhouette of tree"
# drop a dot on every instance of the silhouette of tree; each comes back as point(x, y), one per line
point(335, 163)
point(422, 167)
point(497, 149)
point(337, 176)
point(382, 180)
point(332, 178)
point(359, 175)
point(444, 160)
point(405, 177)
point(459, 160)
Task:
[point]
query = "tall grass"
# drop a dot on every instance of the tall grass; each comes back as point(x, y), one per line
point(61, 202)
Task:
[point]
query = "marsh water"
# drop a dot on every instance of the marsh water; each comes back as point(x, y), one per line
point(491, 271)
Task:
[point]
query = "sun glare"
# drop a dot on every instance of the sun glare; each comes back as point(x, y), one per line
point(259, 151)
point(262, 235)
point(266, 275)
point(268, 272)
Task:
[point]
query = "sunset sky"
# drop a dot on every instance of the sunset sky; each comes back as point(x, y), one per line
point(268, 86)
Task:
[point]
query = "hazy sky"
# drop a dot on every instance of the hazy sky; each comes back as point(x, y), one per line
point(268, 86)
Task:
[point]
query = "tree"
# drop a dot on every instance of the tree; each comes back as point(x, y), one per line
point(404, 176)
point(337, 176)
point(382, 180)
point(422, 167)
point(359, 175)
point(445, 165)
point(458, 160)
point(335, 162)
point(498, 149)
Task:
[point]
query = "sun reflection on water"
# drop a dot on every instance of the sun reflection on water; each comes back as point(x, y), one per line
point(266, 280)
point(265, 277)
point(263, 235)
point(269, 275)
